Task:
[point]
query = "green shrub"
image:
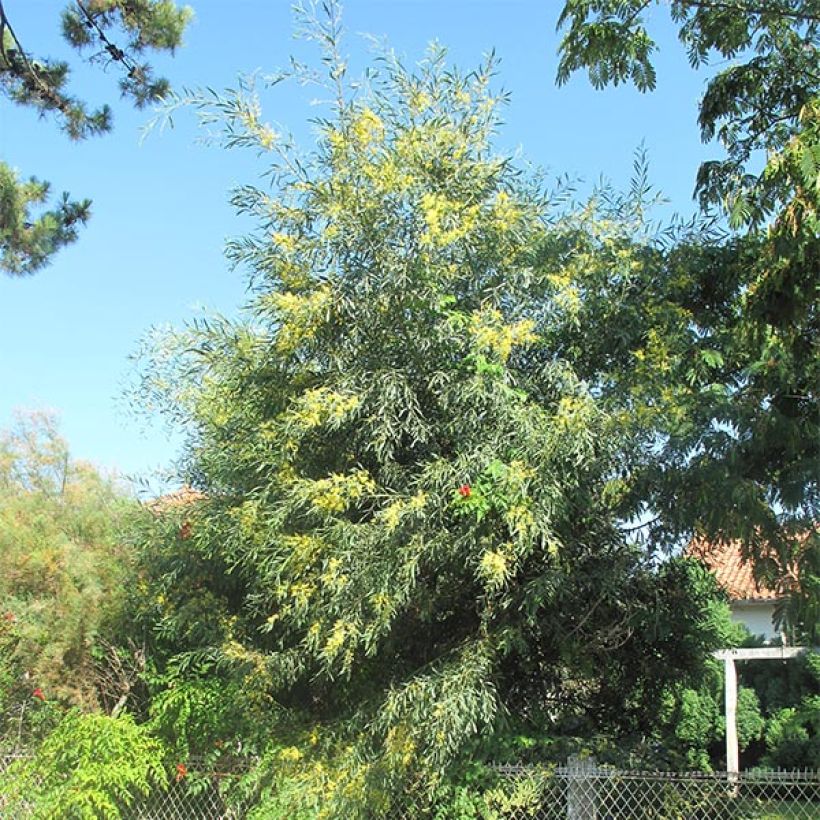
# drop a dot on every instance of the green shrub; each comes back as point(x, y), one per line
point(90, 766)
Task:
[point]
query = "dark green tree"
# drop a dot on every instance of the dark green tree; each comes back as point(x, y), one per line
point(723, 352)
point(105, 32)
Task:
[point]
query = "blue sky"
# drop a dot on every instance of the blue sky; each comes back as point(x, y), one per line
point(152, 252)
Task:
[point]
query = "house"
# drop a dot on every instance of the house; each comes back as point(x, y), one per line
point(751, 604)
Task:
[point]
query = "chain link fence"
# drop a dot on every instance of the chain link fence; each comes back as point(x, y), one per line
point(582, 790)
point(197, 796)
point(585, 791)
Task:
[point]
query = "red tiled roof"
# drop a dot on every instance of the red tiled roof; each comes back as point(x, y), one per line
point(178, 498)
point(733, 573)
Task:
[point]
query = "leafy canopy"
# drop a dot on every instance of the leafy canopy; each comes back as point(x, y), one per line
point(724, 352)
point(763, 100)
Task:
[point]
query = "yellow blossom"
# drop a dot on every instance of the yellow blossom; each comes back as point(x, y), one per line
point(320, 406)
point(519, 519)
point(367, 127)
point(494, 568)
point(285, 241)
point(300, 316)
point(336, 641)
point(446, 221)
point(491, 333)
point(336, 492)
point(290, 754)
point(505, 212)
point(419, 100)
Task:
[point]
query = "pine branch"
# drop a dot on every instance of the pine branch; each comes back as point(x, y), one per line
point(43, 88)
point(116, 53)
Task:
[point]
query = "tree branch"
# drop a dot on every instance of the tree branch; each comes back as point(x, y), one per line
point(749, 9)
point(115, 52)
point(44, 89)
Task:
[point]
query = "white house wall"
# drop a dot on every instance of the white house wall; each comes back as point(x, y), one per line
point(757, 617)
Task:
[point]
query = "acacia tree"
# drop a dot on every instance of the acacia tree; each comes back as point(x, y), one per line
point(723, 352)
point(409, 531)
point(109, 32)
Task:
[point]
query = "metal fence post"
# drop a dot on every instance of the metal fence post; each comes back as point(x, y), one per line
point(582, 803)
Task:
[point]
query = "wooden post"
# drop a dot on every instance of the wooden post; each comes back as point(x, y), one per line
point(581, 788)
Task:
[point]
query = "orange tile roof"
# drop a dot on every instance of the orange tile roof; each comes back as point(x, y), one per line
point(733, 573)
point(178, 498)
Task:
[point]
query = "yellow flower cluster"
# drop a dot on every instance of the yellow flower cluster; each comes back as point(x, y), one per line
point(491, 333)
point(399, 745)
point(333, 577)
point(393, 513)
point(388, 175)
point(301, 316)
point(418, 101)
point(301, 593)
point(567, 295)
point(320, 406)
point(367, 128)
point(655, 353)
point(336, 492)
point(446, 221)
point(302, 549)
point(265, 135)
point(519, 519)
point(257, 677)
point(381, 603)
point(494, 568)
point(246, 515)
point(505, 213)
point(339, 635)
point(574, 413)
point(290, 754)
point(285, 241)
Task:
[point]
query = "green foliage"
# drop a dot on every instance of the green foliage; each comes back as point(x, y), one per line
point(790, 700)
point(758, 101)
point(26, 714)
point(28, 242)
point(749, 720)
point(722, 350)
point(61, 570)
point(777, 717)
point(793, 735)
point(93, 26)
point(410, 532)
point(208, 716)
point(89, 767)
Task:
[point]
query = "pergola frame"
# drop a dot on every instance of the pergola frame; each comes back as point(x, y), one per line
point(729, 656)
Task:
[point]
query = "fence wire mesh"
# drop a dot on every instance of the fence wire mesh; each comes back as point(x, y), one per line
point(589, 792)
point(580, 791)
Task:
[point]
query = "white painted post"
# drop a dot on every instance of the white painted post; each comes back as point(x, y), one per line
point(729, 656)
point(732, 757)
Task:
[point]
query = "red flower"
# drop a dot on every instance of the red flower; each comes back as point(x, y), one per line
point(464, 490)
point(185, 531)
point(38, 693)
point(9, 616)
point(182, 771)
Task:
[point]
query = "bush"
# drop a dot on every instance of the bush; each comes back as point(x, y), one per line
point(90, 766)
